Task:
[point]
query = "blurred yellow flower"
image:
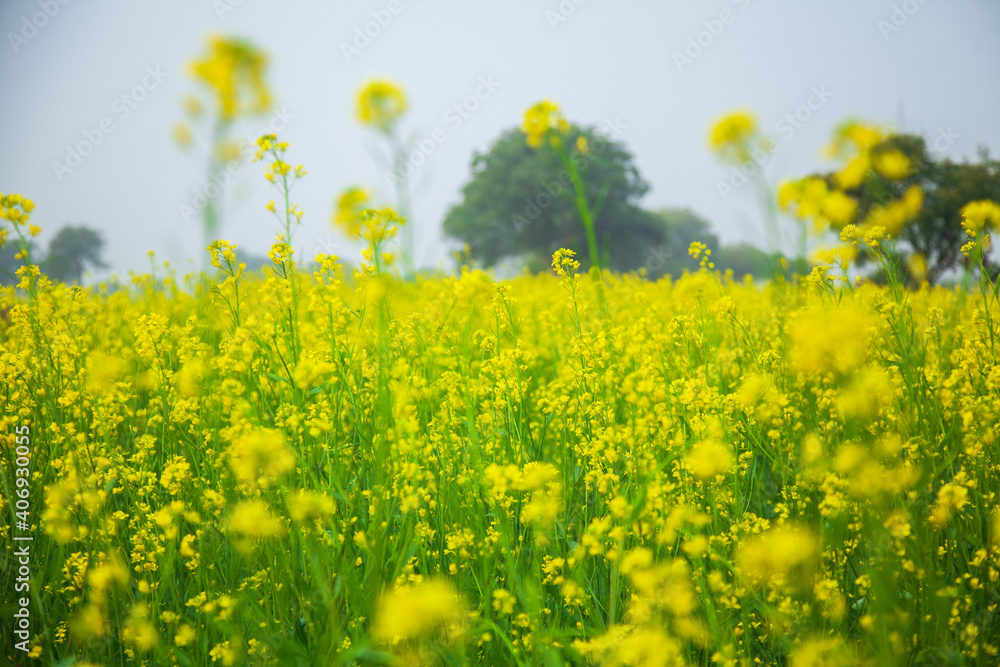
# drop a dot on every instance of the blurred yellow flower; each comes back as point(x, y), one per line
point(838, 208)
point(185, 635)
point(824, 652)
point(138, 631)
point(380, 103)
point(784, 553)
point(182, 134)
point(894, 215)
point(234, 70)
point(539, 119)
point(413, 611)
point(731, 136)
point(348, 213)
point(916, 264)
point(260, 458)
point(829, 340)
point(89, 623)
point(709, 458)
point(892, 164)
point(103, 371)
point(308, 506)
point(977, 215)
point(193, 106)
point(852, 175)
point(851, 138)
point(252, 520)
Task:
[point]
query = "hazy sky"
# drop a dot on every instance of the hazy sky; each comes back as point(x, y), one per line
point(65, 66)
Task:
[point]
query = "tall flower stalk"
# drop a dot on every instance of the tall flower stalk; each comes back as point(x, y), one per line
point(544, 124)
point(380, 105)
point(283, 177)
point(234, 72)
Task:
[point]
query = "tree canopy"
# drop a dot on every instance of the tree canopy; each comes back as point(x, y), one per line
point(518, 204)
point(70, 252)
point(936, 232)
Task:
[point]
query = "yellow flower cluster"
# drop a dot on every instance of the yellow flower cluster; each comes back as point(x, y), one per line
point(234, 70)
point(542, 118)
point(348, 213)
point(380, 103)
point(826, 203)
point(980, 215)
point(813, 199)
point(15, 208)
point(731, 136)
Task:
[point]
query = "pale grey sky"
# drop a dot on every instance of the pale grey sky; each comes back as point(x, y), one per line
point(65, 65)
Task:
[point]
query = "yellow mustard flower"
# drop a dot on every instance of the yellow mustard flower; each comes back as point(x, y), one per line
point(539, 119)
point(234, 70)
point(380, 103)
point(731, 135)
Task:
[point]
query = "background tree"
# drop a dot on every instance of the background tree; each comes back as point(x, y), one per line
point(519, 203)
point(936, 231)
point(681, 228)
point(9, 264)
point(70, 252)
point(744, 258)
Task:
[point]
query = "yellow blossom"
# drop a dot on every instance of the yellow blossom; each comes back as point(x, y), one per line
point(410, 612)
point(540, 119)
point(731, 136)
point(380, 103)
point(234, 70)
point(892, 164)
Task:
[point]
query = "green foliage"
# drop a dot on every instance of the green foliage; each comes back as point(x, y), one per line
point(936, 232)
point(519, 204)
point(9, 264)
point(743, 259)
point(71, 250)
point(681, 228)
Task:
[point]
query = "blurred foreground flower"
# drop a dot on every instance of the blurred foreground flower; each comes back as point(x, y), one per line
point(428, 607)
point(785, 554)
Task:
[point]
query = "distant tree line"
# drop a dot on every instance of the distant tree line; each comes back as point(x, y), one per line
point(515, 206)
point(71, 252)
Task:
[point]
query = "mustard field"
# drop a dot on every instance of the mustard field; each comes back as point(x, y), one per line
point(300, 467)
